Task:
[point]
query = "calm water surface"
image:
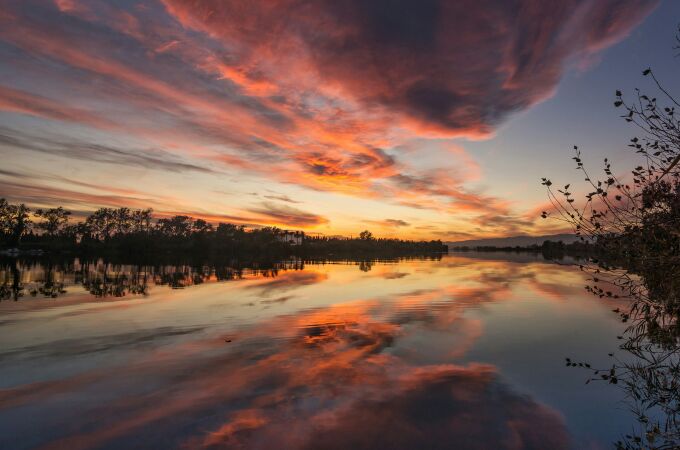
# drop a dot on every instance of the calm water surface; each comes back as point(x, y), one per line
point(464, 352)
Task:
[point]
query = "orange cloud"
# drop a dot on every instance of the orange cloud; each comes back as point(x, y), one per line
point(319, 95)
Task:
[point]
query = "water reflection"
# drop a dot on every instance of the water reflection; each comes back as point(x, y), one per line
point(104, 279)
point(648, 368)
point(412, 354)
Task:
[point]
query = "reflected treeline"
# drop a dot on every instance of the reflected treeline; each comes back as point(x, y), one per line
point(106, 279)
point(648, 370)
point(50, 279)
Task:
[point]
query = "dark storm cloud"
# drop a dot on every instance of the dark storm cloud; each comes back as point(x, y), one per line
point(458, 67)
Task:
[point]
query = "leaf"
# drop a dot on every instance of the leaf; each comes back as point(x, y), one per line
point(669, 168)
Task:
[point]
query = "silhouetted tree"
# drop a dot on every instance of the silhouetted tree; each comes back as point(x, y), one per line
point(101, 224)
point(54, 220)
point(141, 220)
point(365, 235)
point(634, 224)
point(200, 226)
point(177, 226)
point(14, 221)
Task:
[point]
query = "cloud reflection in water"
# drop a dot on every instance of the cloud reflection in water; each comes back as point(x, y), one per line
point(373, 372)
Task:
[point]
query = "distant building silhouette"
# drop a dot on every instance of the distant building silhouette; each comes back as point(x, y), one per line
point(291, 237)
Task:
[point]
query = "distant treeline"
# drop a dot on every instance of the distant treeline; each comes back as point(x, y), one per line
point(137, 231)
point(549, 249)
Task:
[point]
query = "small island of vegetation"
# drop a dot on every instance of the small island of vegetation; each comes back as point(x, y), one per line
point(548, 249)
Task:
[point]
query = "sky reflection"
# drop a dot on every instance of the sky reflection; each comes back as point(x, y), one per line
point(461, 350)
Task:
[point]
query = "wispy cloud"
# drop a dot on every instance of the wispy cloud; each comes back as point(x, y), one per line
point(288, 215)
point(281, 198)
point(71, 148)
point(43, 195)
point(390, 223)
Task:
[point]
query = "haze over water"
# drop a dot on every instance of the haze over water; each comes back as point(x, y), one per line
point(468, 350)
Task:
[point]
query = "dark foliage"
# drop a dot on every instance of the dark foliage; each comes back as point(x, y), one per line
point(125, 231)
point(633, 224)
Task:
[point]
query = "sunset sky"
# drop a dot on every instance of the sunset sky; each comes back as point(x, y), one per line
point(424, 119)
